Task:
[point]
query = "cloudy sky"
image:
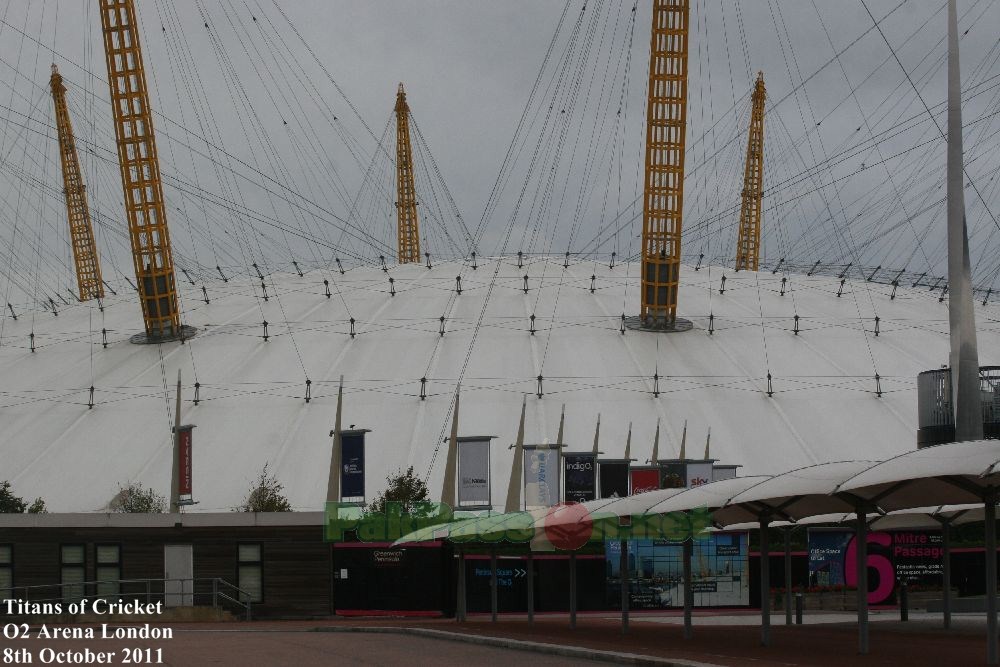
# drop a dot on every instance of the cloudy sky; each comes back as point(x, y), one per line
point(276, 137)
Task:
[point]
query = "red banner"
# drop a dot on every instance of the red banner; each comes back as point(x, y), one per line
point(184, 455)
point(644, 479)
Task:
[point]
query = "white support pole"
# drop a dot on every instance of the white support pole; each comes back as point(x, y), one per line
point(175, 468)
point(513, 502)
point(333, 480)
point(449, 484)
point(961, 316)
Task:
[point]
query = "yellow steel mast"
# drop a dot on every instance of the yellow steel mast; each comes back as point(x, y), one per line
point(408, 227)
point(663, 190)
point(748, 244)
point(81, 233)
point(140, 167)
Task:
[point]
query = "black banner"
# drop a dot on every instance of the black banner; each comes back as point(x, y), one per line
point(581, 477)
point(614, 479)
point(673, 475)
point(352, 471)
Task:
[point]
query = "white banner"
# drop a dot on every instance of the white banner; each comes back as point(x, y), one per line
point(541, 477)
point(474, 472)
point(698, 474)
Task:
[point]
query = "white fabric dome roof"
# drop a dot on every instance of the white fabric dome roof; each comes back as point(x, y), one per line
point(252, 408)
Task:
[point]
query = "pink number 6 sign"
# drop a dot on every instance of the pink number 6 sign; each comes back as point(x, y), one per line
point(881, 564)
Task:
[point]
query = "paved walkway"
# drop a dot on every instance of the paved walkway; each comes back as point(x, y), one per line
point(829, 639)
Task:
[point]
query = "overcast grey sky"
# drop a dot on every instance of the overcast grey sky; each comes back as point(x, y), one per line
point(844, 180)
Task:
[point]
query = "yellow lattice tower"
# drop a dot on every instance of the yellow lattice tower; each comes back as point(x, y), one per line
point(663, 190)
point(81, 232)
point(140, 167)
point(408, 227)
point(748, 243)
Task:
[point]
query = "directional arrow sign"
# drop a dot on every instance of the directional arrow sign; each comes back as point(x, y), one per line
point(518, 572)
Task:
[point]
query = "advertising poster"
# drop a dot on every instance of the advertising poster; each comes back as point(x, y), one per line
point(614, 479)
point(352, 476)
point(644, 479)
point(581, 477)
point(474, 472)
point(913, 555)
point(698, 474)
point(184, 437)
point(719, 572)
point(541, 477)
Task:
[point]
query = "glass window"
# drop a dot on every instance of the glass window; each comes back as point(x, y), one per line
point(72, 572)
point(109, 569)
point(6, 571)
point(249, 575)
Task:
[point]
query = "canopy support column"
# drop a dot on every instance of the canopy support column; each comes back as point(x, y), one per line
point(946, 574)
point(572, 590)
point(990, 500)
point(688, 589)
point(765, 582)
point(623, 576)
point(493, 585)
point(531, 586)
point(460, 588)
point(788, 575)
point(861, 554)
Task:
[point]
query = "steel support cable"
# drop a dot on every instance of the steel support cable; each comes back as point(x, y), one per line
point(506, 165)
point(928, 110)
point(302, 119)
point(209, 143)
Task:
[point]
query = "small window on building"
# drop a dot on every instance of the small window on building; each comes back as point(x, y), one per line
point(250, 580)
point(72, 562)
point(6, 571)
point(109, 570)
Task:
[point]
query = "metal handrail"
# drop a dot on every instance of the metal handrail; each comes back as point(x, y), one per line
point(241, 598)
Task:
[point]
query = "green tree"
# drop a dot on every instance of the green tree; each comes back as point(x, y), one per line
point(134, 499)
point(404, 488)
point(9, 503)
point(38, 507)
point(265, 495)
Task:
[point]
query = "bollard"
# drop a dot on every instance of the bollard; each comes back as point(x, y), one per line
point(798, 609)
point(904, 602)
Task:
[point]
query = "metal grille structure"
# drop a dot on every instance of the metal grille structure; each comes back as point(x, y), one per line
point(408, 227)
point(748, 243)
point(137, 157)
point(81, 232)
point(663, 190)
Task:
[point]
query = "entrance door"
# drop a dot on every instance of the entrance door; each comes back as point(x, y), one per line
point(178, 570)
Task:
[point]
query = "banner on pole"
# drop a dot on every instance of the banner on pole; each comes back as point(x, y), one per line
point(673, 475)
point(644, 479)
point(581, 477)
point(184, 441)
point(614, 478)
point(474, 472)
point(699, 473)
point(541, 476)
point(352, 465)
